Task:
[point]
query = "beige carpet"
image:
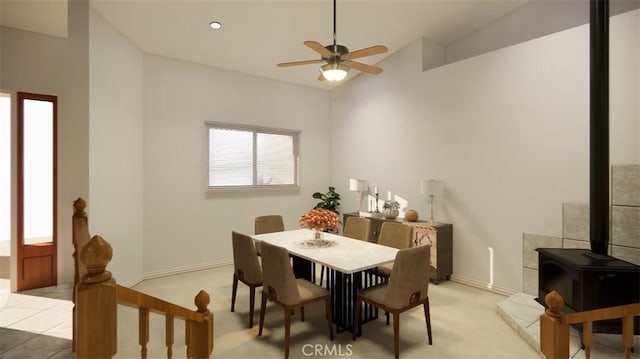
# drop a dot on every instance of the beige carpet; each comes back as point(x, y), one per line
point(464, 320)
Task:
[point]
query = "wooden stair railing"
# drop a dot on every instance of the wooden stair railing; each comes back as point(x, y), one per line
point(200, 321)
point(96, 296)
point(554, 326)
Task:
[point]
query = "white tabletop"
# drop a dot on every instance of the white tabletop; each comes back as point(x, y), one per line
point(346, 255)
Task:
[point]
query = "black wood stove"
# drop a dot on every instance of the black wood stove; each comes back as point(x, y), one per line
point(589, 282)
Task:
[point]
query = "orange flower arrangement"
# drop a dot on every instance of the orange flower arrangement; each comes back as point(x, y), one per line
point(319, 219)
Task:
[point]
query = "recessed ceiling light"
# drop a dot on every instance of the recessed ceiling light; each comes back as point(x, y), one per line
point(216, 25)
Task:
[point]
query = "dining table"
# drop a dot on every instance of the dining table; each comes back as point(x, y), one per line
point(349, 263)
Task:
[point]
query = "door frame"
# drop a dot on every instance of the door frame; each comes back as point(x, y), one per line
point(35, 250)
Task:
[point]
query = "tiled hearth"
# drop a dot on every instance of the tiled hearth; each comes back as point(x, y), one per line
point(522, 312)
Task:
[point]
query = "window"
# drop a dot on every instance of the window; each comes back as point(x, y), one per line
point(248, 157)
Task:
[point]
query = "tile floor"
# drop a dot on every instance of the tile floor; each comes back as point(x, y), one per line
point(35, 323)
point(467, 323)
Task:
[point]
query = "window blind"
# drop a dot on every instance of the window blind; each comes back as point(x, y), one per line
point(251, 157)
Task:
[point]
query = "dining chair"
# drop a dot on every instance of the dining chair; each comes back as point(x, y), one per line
point(267, 224)
point(356, 228)
point(246, 269)
point(396, 235)
point(407, 287)
point(281, 287)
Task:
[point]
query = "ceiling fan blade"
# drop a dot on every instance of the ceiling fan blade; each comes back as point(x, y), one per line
point(317, 47)
point(373, 50)
point(297, 63)
point(363, 67)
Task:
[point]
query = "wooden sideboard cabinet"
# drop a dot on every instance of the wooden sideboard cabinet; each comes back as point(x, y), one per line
point(438, 234)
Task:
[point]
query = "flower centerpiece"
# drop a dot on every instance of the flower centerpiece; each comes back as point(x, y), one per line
point(320, 220)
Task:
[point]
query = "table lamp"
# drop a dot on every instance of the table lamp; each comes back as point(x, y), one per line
point(433, 189)
point(361, 186)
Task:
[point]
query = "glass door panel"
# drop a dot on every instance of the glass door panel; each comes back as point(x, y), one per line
point(38, 171)
point(5, 173)
point(37, 244)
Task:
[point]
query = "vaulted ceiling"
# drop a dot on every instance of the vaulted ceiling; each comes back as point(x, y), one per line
point(258, 34)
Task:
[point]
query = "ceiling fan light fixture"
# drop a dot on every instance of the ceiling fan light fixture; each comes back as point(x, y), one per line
point(334, 71)
point(338, 58)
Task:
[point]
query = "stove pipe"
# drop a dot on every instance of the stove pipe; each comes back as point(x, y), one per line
point(599, 127)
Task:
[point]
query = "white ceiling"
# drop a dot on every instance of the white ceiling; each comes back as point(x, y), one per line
point(41, 16)
point(258, 34)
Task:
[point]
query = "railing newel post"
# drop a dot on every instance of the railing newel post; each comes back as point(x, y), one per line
point(200, 335)
point(96, 303)
point(554, 334)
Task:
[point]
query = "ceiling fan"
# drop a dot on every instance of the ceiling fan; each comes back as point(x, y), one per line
point(338, 58)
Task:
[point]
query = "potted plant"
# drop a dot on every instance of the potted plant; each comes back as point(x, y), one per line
point(329, 200)
point(390, 209)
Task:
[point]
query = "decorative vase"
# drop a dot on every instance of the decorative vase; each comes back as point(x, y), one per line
point(411, 215)
point(390, 213)
point(317, 235)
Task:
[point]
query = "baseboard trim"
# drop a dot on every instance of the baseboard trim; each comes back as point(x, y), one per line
point(133, 281)
point(482, 285)
point(196, 267)
point(186, 269)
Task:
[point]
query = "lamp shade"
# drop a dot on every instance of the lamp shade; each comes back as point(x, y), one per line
point(334, 71)
point(358, 185)
point(432, 187)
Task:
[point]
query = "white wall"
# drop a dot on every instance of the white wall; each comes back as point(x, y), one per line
point(1, 47)
point(43, 64)
point(624, 61)
point(115, 205)
point(506, 131)
point(184, 226)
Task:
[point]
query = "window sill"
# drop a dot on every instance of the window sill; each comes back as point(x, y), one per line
point(254, 189)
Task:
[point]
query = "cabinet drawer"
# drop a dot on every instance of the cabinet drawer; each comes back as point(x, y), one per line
point(423, 235)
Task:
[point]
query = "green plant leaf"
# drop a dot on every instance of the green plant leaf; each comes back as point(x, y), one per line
point(329, 200)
